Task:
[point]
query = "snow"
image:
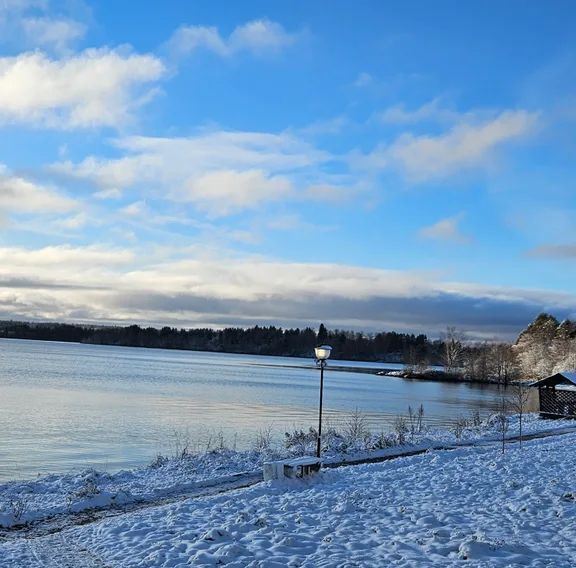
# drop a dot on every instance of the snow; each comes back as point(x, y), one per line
point(470, 506)
point(169, 479)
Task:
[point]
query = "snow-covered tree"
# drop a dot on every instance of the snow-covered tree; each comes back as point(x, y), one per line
point(546, 346)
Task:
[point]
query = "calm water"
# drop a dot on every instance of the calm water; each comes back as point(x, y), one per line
point(67, 406)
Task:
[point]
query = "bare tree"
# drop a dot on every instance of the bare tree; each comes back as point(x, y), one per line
point(504, 362)
point(476, 362)
point(415, 420)
point(519, 400)
point(415, 360)
point(453, 349)
point(502, 421)
point(356, 427)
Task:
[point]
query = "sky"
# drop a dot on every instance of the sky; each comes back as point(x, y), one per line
point(370, 165)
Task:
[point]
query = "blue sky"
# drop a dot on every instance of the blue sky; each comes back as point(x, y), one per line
point(371, 165)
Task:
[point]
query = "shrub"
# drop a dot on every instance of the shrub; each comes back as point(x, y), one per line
point(400, 429)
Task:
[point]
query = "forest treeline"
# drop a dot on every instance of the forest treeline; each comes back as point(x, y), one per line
point(545, 346)
point(258, 340)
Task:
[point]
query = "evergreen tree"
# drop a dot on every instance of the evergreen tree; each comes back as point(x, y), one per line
point(322, 334)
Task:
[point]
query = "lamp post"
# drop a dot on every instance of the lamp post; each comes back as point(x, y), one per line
point(322, 353)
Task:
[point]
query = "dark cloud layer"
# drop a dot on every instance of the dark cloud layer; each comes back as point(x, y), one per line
point(431, 314)
point(32, 284)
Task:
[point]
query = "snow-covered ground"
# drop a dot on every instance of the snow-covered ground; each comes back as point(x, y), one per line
point(471, 506)
point(28, 501)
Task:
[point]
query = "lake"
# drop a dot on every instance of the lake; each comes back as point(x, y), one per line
point(66, 406)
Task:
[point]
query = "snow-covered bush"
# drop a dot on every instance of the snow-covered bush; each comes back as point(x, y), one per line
point(458, 426)
point(263, 439)
point(300, 442)
point(355, 428)
point(401, 429)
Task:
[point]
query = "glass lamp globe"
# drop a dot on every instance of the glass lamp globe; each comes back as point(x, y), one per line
point(322, 352)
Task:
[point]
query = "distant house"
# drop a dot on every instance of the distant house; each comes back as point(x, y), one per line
point(557, 395)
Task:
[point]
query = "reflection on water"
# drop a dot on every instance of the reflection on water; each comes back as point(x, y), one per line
point(69, 406)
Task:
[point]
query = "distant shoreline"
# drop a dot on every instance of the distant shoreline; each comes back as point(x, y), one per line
point(428, 375)
point(383, 371)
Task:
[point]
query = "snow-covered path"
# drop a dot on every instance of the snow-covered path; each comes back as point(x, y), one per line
point(470, 506)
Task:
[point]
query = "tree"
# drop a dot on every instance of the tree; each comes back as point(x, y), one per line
point(476, 362)
point(502, 421)
point(453, 349)
point(322, 334)
point(519, 401)
point(564, 348)
point(504, 362)
point(536, 346)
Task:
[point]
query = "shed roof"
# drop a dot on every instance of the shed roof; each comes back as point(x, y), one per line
point(562, 378)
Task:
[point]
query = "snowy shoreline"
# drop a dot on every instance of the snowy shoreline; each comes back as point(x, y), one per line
point(26, 502)
point(471, 506)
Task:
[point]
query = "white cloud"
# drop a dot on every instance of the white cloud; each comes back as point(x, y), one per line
point(329, 193)
point(221, 172)
point(136, 209)
point(64, 259)
point(53, 32)
point(447, 230)
point(187, 39)
point(19, 195)
point(97, 87)
point(330, 126)
point(72, 222)
point(236, 149)
point(112, 193)
point(226, 192)
point(32, 23)
point(464, 146)
point(432, 111)
point(260, 37)
point(243, 236)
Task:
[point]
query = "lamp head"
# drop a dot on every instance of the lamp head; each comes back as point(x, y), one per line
point(322, 352)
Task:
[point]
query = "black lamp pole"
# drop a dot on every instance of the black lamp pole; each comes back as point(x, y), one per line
point(322, 363)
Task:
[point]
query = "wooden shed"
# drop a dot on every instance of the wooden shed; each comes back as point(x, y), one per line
point(557, 394)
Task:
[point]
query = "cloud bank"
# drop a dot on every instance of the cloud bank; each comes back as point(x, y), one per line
point(189, 288)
